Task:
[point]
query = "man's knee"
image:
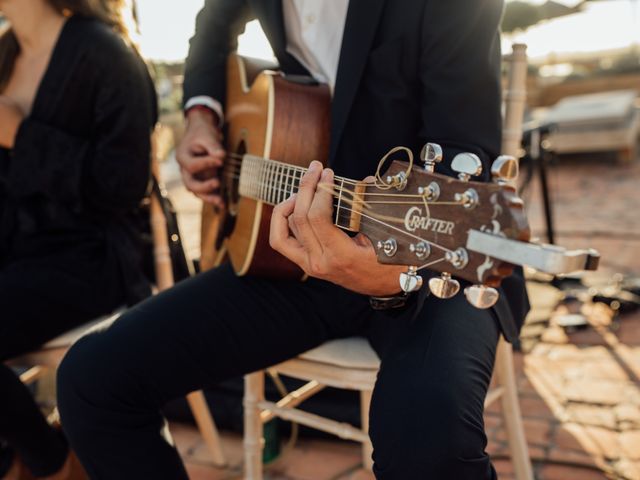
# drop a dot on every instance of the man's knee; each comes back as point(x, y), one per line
point(436, 435)
point(84, 378)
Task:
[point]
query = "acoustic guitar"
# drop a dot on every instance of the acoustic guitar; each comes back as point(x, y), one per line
point(475, 231)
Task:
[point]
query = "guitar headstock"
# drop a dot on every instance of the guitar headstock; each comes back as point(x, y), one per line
point(423, 219)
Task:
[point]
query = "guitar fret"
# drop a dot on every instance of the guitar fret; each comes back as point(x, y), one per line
point(280, 185)
point(339, 202)
point(263, 171)
point(267, 182)
point(270, 183)
point(274, 184)
point(272, 171)
point(257, 170)
point(287, 179)
point(298, 179)
point(251, 171)
point(292, 181)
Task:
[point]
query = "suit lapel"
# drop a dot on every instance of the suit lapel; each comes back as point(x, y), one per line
point(269, 12)
point(362, 21)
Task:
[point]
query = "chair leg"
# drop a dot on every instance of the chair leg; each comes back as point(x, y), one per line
point(367, 447)
point(33, 374)
point(511, 412)
point(253, 431)
point(207, 426)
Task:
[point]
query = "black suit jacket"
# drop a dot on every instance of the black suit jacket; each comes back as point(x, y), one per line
point(410, 72)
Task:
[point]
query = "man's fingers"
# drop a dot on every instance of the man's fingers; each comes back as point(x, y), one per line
point(321, 210)
point(304, 198)
point(200, 186)
point(279, 234)
point(194, 163)
point(210, 144)
point(213, 199)
point(363, 241)
point(292, 226)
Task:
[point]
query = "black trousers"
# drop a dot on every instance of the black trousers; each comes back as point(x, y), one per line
point(39, 300)
point(426, 413)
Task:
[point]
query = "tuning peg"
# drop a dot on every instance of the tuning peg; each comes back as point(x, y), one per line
point(431, 154)
point(444, 286)
point(410, 281)
point(504, 169)
point(467, 165)
point(481, 297)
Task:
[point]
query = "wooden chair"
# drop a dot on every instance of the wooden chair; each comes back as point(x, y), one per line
point(352, 363)
point(51, 354)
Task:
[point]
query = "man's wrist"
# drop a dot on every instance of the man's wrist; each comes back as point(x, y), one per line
point(204, 103)
point(390, 302)
point(201, 114)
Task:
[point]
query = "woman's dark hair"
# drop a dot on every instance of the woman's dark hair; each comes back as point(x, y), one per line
point(107, 11)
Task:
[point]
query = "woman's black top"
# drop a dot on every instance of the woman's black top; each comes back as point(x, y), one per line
point(80, 165)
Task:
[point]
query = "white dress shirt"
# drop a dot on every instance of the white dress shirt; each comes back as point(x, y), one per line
point(314, 31)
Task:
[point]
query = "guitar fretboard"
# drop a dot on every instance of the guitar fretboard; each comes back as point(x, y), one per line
point(272, 182)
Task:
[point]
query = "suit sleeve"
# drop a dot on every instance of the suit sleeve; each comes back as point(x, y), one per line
point(460, 78)
point(108, 171)
point(217, 26)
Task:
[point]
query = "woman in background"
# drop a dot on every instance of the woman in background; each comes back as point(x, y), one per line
point(77, 107)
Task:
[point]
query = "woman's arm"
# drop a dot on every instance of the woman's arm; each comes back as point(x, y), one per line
point(108, 170)
point(116, 175)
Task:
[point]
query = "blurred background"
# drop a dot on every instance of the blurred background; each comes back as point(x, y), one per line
point(578, 363)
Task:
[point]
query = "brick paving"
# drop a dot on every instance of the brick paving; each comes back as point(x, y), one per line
point(579, 391)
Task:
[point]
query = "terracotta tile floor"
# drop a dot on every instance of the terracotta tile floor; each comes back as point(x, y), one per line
point(579, 392)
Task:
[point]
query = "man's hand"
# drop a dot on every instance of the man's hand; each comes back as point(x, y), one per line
point(302, 230)
point(200, 155)
point(10, 119)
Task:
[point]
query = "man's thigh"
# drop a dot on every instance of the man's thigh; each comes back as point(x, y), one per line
point(213, 327)
point(426, 416)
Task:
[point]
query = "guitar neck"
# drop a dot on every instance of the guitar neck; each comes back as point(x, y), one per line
point(272, 182)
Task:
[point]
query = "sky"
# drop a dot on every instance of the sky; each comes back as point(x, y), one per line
point(604, 26)
point(167, 26)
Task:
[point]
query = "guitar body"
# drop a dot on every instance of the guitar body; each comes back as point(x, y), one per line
point(271, 117)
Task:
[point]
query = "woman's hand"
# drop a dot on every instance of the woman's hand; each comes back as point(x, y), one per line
point(302, 230)
point(10, 119)
point(200, 155)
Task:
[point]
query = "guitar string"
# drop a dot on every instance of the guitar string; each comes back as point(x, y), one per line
point(348, 201)
point(382, 225)
point(378, 228)
point(386, 225)
point(378, 224)
point(369, 215)
point(235, 174)
point(379, 182)
point(287, 165)
point(280, 176)
point(298, 169)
